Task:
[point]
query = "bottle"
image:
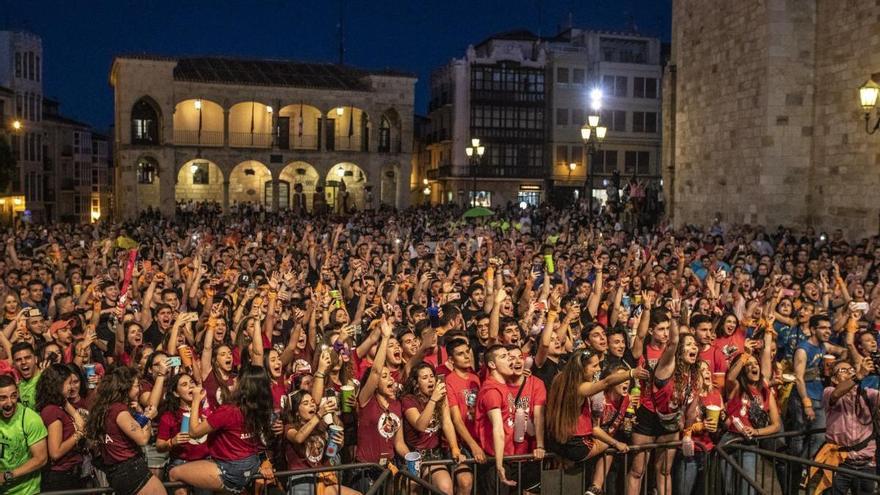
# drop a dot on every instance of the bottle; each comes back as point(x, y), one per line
point(629, 419)
point(687, 445)
point(519, 425)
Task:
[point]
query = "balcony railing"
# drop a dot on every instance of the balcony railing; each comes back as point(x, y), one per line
point(250, 139)
point(484, 171)
point(349, 143)
point(304, 142)
point(185, 137)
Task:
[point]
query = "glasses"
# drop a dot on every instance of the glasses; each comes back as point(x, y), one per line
point(846, 371)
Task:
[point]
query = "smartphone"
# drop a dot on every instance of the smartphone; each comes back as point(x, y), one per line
point(859, 306)
point(173, 362)
point(787, 293)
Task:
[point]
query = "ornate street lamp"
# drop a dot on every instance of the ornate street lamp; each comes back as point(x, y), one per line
point(474, 153)
point(868, 94)
point(593, 135)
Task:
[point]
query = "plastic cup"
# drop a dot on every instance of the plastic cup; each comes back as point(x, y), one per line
point(347, 391)
point(788, 378)
point(713, 413)
point(184, 423)
point(185, 356)
point(829, 360)
point(413, 462)
point(718, 380)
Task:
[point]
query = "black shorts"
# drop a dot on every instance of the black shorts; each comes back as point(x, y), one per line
point(576, 449)
point(648, 424)
point(128, 477)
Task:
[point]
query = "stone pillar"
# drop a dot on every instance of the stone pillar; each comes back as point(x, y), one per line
point(226, 127)
point(402, 175)
point(226, 195)
point(167, 185)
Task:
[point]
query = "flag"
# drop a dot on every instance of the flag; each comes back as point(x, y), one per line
point(299, 123)
point(350, 122)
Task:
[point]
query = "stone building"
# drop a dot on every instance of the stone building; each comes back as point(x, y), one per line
point(256, 131)
point(526, 98)
point(762, 122)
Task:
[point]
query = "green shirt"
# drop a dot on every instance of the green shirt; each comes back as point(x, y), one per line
point(17, 435)
point(27, 391)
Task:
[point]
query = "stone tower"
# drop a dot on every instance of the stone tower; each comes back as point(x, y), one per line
point(762, 121)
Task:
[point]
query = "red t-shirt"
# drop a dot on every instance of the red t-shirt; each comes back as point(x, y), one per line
point(279, 388)
point(533, 394)
point(584, 426)
point(649, 360)
point(715, 358)
point(664, 400)
point(738, 405)
point(308, 455)
point(712, 399)
point(732, 344)
point(613, 413)
point(213, 391)
point(229, 441)
point(495, 395)
point(169, 427)
point(462, 393)
point(420, 440)
point(376, 430)
point(73, 457)
point(117, 447)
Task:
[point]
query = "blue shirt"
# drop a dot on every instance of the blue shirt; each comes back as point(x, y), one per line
point(813, 370)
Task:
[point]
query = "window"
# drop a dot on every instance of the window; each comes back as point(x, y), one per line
point(614, 86)
point(19, 105)
point(637, 162)
point(562, 75)
point(200, 173)
point(577, 117)
point(531, 198)
point(562, 154)
point(577, 76)
point(645, 122)
point(144, 123)
point(576, 155)
point(561, 116)
point(31, 74)
point(614, 120)
point(484, 198)
point(645, 87)
point(17, 64)
point(604, 162)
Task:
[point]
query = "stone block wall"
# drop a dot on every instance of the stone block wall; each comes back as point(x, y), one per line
point(766, 126)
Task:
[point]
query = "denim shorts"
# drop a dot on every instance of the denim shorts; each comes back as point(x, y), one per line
point(237, 475)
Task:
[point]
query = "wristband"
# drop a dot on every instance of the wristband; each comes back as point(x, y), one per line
point(807, 402)
point(141, 419)
point(319, 374)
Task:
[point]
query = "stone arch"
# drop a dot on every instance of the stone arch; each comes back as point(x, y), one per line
point(199, 180)
point(302, 175)
point(146, 121)
point(250, 125)
point(303, 125)
point(198, 122)
point(347, 128)
point(250, 182)
point(348, 177)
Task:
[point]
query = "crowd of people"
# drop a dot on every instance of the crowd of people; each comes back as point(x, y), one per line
point(215, 349)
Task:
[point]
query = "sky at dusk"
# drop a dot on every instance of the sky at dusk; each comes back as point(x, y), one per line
point(80, 38)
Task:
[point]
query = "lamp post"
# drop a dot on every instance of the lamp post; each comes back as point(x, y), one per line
point(593, 135)
point(474, 153)
point(868, 94)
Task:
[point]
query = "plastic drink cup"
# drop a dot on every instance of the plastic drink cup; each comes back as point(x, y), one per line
point(347, 391)
point(184, 423)
point(185, 356)
point(829, 360)
point(713, 413)
point(90, 372)
point(718, 380)
point(413, 462)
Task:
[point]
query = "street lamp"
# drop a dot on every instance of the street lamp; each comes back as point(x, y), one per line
point(474, 153)
point(16, 125)
point(593, 135)
point(868, 94)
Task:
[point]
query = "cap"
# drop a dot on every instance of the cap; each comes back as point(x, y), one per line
point(60, 324)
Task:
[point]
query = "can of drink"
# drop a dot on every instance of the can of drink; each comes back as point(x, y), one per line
point(413, 462)
point(90, 372)
point(184, 423)
point(185, 356)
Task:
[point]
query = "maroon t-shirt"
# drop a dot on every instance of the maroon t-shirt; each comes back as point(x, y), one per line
point(73, 457)
point(308, 455)
point(420, 440)
point(229, 441)
point(169, 427)
point(117, 446)
point(213, 391)
point(462, 393)
point(376, 430)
